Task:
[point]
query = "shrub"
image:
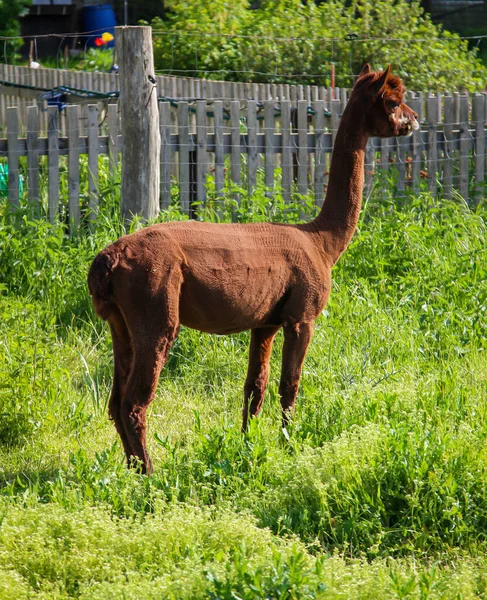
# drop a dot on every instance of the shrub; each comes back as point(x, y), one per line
point(284, 41)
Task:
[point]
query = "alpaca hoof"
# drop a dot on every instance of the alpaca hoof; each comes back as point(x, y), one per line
point(285, 433)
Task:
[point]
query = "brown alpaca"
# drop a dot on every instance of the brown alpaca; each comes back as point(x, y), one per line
point(226, 278)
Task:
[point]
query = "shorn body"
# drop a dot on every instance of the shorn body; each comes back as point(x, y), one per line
point(227, 278)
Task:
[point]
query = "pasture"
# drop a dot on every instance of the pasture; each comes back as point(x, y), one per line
point(381, 491)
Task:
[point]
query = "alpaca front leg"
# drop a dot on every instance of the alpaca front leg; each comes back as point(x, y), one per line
point(296, 341)
point(261, 341)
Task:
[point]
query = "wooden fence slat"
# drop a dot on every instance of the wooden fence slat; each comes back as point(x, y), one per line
point(464, 146)
point(112, 119)
point(13, 157)
point(219, 156)
point(53, 161)
point(432, 147)
point(201, 150)
point(302, 152)
point(456, 107)
point(252, 145)
point(92, 116)
point(286, 155)
point(448, 117)
point(165, 131)
point(269, 146)
point(369, 166)
point(343, 99)
point(319, 123)
point(385, 149)
point(72, 123)
point(416, 146)
point(33, 156)
point(3, 106)
point(183, 128)
point(401, 166)
point(55, 83)
point(235, 141)
point(334, 119)
point(478, 110)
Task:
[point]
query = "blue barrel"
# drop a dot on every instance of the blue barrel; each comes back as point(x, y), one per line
point(98, 19)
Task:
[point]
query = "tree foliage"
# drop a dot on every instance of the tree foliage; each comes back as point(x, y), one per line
point(10, 11)
point(290, 41)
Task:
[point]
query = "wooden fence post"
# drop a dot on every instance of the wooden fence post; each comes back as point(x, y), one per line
point(140, 123)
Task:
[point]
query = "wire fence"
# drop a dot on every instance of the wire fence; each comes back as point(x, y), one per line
point(287, 145)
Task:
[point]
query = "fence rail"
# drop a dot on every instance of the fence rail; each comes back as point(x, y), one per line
point(449, 151)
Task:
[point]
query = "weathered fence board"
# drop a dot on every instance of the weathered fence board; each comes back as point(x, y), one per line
point(235, 150)
point(478, 116)
point(74, 148)
point(302, 147)
point(286, 153)
point(184, 149)
point(93, 159)
point(464, 146)
point(448, 112)
point(33, 155)
point(13, 156)
point(432, 117)
point(252, 145)
point(201, 150)
point(269, 146)
point(53, 161)
point(165, 130)
point(319, 123)
point(219, 153)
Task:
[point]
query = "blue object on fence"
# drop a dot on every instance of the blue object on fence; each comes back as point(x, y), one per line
point(99, 20)
point(54, 99)
point(4, 181)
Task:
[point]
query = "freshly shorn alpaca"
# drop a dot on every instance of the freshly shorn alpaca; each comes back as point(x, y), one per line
point(226, 278)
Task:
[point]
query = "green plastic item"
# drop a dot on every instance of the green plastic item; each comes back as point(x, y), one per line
point(4, 181)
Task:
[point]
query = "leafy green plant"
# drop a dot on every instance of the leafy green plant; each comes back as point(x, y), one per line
point(288, 41)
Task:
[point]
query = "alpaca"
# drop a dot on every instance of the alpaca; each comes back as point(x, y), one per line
point(227, 278)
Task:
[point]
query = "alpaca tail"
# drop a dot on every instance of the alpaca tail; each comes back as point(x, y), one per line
point(100, 282)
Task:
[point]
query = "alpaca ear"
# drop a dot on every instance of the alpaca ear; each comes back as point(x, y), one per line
point(379, 83)
point(365, 70)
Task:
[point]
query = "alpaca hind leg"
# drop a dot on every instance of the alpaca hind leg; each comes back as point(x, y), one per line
point(296, 341)
point(149, 358)
point(122, 359)
point(258, 371)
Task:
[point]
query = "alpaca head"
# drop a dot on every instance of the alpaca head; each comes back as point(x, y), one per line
point(379, 97)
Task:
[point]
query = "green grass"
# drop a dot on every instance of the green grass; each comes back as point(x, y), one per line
point(381, 491)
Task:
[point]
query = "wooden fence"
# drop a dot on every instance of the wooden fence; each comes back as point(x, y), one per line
point(250, 137)
point(23, 86)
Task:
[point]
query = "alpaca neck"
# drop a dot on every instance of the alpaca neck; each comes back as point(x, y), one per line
point(339, 215)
